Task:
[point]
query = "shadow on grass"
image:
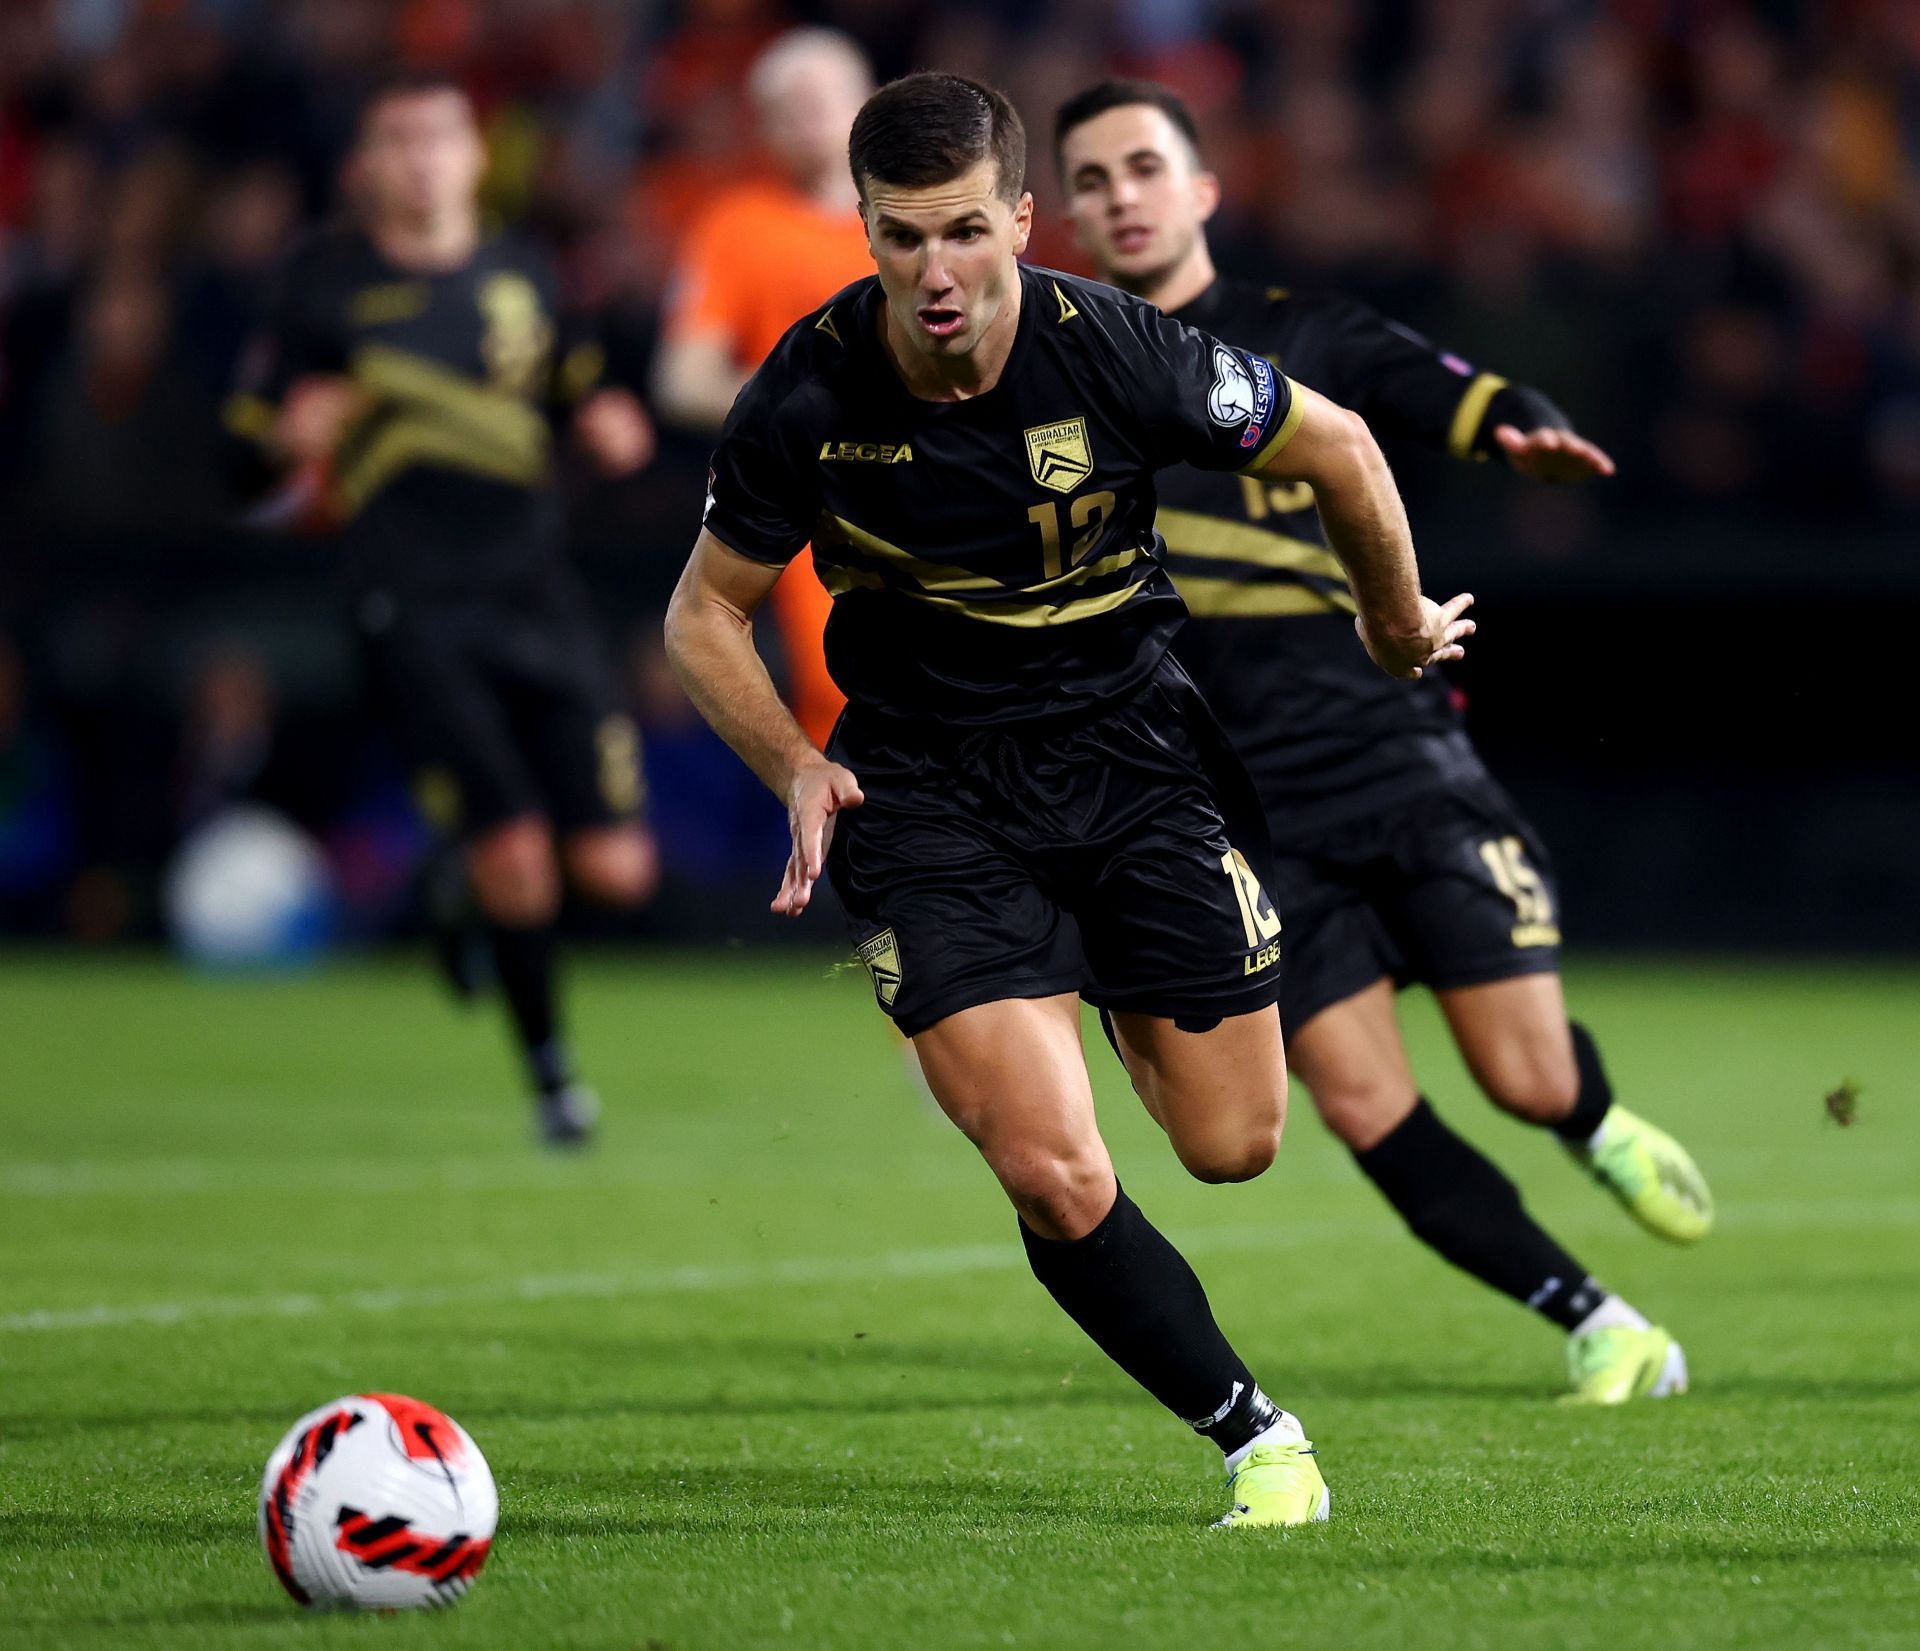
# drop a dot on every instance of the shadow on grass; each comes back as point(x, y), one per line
point(1681, 1553)
point(748, 1377)
point(203, 1615)
point(51, 1529)
point(745, 1497)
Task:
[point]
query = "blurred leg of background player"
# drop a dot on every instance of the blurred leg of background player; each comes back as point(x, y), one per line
point(517, 880)
point(523, 761)
point(1012, 1075)
point(1350, 1056)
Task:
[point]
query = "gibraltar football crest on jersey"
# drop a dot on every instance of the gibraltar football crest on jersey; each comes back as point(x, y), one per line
point(1060, 455)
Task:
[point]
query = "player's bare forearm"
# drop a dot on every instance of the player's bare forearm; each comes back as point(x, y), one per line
point(1366, 524)
point(709, 635)
point(710, 642)
point(1333, 451)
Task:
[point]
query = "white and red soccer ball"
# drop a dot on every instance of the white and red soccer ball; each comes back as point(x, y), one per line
point(377, 1501)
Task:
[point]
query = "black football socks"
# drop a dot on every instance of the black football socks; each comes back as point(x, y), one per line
point(1596, 1094)
point(1136, 1297)
point(524, 962)
point(1455, 1201)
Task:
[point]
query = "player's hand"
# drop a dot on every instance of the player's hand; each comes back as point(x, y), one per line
point(614, 431)
point(1552, 455)
point(820, 790)
point(315, 417)
point(1439, 639)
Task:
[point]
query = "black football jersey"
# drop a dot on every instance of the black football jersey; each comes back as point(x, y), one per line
point(1325, 733)
point(995, 559)
point(446, 483)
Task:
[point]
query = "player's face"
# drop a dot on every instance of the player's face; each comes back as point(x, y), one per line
point(947, 256)
point(1136, 196)
point(420, 155)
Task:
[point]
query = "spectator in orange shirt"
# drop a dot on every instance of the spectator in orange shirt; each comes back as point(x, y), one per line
point(762, 255)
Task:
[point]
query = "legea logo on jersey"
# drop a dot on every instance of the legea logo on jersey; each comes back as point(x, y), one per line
point(866, 452)
point(1060, 455)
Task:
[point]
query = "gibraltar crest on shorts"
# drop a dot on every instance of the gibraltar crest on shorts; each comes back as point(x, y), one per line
point(881, 955)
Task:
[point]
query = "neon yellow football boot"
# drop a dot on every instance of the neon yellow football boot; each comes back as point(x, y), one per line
point(1616, 1363)
point(1652, 1175)
point(1277, 1484)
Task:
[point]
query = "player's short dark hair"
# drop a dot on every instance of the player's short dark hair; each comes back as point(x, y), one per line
point(929, 128)
point(1123, 94)
point(406, 82)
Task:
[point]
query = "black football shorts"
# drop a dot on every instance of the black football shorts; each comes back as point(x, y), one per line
point(1447, 888)
point(502, 710)
point(1115, 858)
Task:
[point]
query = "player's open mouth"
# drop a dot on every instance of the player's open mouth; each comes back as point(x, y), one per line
point(941, 321)
point(1132, 237)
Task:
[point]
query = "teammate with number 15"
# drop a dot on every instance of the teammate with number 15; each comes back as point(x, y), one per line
point(1396, 856)
point(1026, 800)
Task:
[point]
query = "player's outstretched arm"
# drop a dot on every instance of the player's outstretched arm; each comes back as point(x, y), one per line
point(1332, 450)
point(710, 642)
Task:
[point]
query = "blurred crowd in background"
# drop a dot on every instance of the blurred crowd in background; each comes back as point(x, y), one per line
point(1696, 224)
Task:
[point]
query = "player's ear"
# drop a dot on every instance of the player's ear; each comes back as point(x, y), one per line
point(1206, 195)
point(1023, 222)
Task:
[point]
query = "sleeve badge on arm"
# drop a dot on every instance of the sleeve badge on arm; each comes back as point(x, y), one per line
point(1242, 394)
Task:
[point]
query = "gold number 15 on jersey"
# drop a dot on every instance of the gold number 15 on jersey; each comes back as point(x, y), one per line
point(1086, 514)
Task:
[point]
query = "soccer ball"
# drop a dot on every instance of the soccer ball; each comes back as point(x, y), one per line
point(249, 889)
point(378, 1502)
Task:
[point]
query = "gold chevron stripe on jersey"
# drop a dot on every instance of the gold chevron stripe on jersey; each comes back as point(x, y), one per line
point(921, 574)
point(879, 565)
point(1233, 599)
point(1190, 533)
point(428, 414)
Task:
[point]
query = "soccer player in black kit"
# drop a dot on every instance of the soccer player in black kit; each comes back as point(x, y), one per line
point(1396, 856)
point(411, 379)
point(1025, 799)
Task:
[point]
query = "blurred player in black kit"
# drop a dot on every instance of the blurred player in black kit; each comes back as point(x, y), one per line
point(1397, 857)
point(1025, 800)
point(411, 380)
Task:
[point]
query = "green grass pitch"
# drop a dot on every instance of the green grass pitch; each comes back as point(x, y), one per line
point(767, 1368)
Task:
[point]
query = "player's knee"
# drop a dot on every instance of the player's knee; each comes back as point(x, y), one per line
point(1238, 1157)
point(1233, 1149)
point(1058, 1195)
point(616, 868)
point(1363, 1114)
point(514, 876)
point(1539, 1084)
